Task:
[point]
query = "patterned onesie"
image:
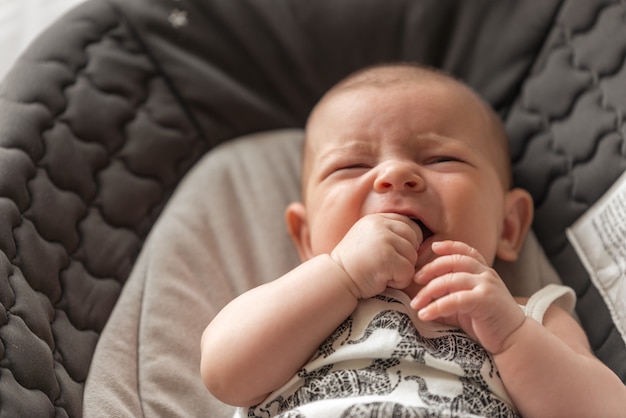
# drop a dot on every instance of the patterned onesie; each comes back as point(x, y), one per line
point(382, 361)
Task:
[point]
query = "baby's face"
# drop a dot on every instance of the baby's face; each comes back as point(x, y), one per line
point(425, 151)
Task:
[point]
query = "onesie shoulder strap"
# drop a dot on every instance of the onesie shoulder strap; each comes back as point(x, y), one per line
point(560, 295)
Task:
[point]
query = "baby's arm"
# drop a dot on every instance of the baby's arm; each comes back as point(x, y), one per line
point(263, 337)
point(548, 370)
point(260, 339)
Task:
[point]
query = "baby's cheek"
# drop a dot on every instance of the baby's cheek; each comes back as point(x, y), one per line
point(326, 237)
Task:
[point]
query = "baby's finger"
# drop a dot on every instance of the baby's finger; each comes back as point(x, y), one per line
point(406, 250)
point(398, 226)
point(442, 286)
point(456, 303)
point(457, 247)
point(447, 264)
point(402, 275)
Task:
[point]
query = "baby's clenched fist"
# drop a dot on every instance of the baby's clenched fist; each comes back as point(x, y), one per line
point(379, 251)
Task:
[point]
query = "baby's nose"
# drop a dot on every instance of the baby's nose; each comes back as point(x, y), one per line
point(398, 176)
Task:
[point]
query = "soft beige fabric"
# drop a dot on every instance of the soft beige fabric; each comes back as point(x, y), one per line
point(223, 232)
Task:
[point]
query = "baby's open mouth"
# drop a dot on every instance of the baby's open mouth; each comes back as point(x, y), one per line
point(426, 233)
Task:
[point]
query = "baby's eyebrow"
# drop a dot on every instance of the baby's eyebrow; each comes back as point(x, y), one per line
point(350, 148)
point(431, 138)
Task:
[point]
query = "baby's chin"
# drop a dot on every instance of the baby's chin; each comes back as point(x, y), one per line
point(424, 254)
point(412, 290)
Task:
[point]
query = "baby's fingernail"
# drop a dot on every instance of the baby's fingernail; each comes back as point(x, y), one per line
point(424, 314)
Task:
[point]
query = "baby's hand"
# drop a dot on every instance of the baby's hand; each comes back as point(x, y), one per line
point(379, 250)
point(462, 290)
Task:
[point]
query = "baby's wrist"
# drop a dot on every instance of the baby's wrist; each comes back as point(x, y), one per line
point(344, 277)
point(517, 335)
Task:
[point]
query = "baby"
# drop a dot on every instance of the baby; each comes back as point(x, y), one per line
point(395, 309)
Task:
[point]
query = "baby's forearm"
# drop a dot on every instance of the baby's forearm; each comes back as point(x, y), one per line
point(262, 338)
point(547, 378)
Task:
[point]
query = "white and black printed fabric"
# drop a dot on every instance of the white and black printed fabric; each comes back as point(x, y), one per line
point(385, 362)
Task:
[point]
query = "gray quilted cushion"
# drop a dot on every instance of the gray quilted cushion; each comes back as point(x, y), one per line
point(568, 145)
point(92, 143)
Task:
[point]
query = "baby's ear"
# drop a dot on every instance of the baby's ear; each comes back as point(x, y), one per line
point(518, 216)
point(298, 227)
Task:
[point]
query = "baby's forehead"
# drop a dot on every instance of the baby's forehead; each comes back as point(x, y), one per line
point(419, 104)
point(391, 85)
point(422, 90)
point(386, 76)
point(400, 80)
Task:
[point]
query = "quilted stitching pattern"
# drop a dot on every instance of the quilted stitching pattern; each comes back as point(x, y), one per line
point(568, 143)
point(57, 289)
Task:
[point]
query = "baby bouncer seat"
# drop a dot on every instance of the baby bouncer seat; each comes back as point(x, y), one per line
point(148, 148)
